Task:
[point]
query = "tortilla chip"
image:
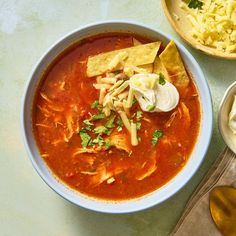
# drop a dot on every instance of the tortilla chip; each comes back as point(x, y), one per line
point(173, 64)
point(136, 42)
point(137, 56)
point(148, 67)
point(159, 68)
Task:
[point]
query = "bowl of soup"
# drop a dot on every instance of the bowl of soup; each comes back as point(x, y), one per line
point(116, 117)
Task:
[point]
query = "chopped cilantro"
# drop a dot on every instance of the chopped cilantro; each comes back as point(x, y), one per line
point(98, 117)
point(162, 80)
point(108, 145)
point(119, 123)
point(156, 136)
point(85, 138)
point(110, 122)
point(139, 115)
point(87, 122)
point(138, 125)
point(99, 140)
point(195, 4)
point(95, 104)
point(150, 107)
point(102, 130)
point(108, 132)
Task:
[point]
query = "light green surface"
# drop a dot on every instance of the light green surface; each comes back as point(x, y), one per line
point(28, 205)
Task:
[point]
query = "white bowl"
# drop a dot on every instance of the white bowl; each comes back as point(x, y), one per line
point(160, 194)
point(223, 117)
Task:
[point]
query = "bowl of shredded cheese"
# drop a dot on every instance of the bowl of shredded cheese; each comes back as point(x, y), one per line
point(209, 25)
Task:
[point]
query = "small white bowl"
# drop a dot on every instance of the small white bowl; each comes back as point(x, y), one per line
point(223, 117)
point(160, 194)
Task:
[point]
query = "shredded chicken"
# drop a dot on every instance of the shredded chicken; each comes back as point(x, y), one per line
point(148, 168)
point(106, 175)
point(186, 114)
point(86, 150)
point(171, 119)
point(120, 141)
point(45, 97)
point(88, 172)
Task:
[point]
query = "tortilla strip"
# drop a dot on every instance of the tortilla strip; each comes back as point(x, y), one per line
point(137, 55)
point(136, 42)
point(173, 64)
point(148, 67)
point(159, 68)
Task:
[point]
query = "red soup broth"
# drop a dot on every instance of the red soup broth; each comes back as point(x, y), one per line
point(64, 99)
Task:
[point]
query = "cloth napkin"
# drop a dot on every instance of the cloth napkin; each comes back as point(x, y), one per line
point(196, 219)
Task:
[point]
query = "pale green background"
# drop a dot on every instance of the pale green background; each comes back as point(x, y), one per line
point(28, 205)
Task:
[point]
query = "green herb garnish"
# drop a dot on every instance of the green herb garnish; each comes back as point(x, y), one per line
point(156, 136)
point(150, 107)
point(99, 140)
point(139, 115)
point(110, 122)
point(108, 145)
point(162, 80)
point(85, 138)
point(97, 117)
point(138, 125)
point(87, 122)
point(102, 130)
point(120, 124)
point(95, 104)
point(195, 4)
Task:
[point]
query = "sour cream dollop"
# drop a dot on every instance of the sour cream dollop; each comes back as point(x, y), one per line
point(154, 94)
point(232, 117)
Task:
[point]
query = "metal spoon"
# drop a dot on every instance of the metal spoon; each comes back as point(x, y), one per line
point(223, 209)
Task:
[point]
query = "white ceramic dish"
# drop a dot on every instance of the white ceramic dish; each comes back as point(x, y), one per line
point(223, 117)
point(160, 194)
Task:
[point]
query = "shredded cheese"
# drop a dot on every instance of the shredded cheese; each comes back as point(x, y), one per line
point(214, 24)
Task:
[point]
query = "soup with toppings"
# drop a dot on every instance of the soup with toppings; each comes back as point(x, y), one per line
point(116, 116)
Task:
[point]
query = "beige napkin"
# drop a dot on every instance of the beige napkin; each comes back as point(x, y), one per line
point(196, 219)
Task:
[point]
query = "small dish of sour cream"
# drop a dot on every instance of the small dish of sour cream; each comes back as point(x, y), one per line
point(227, 117)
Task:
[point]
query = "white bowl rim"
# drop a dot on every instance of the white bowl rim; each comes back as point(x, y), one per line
point(146, 201)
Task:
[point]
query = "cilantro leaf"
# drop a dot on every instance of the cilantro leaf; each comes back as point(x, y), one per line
point(138, 125)
point(95, 104)
point(99, 140)
point(87, 122)
point(119, 123)
point(156, 136)
point(100, 129)
point(162, 80)
point(97, 117)
point(139, 115)
point(108, 145)
point(110, 122)
point(195, 4)
point(150, 107)
point(85, 138)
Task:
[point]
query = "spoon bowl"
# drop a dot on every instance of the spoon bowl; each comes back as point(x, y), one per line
point(223, 209)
